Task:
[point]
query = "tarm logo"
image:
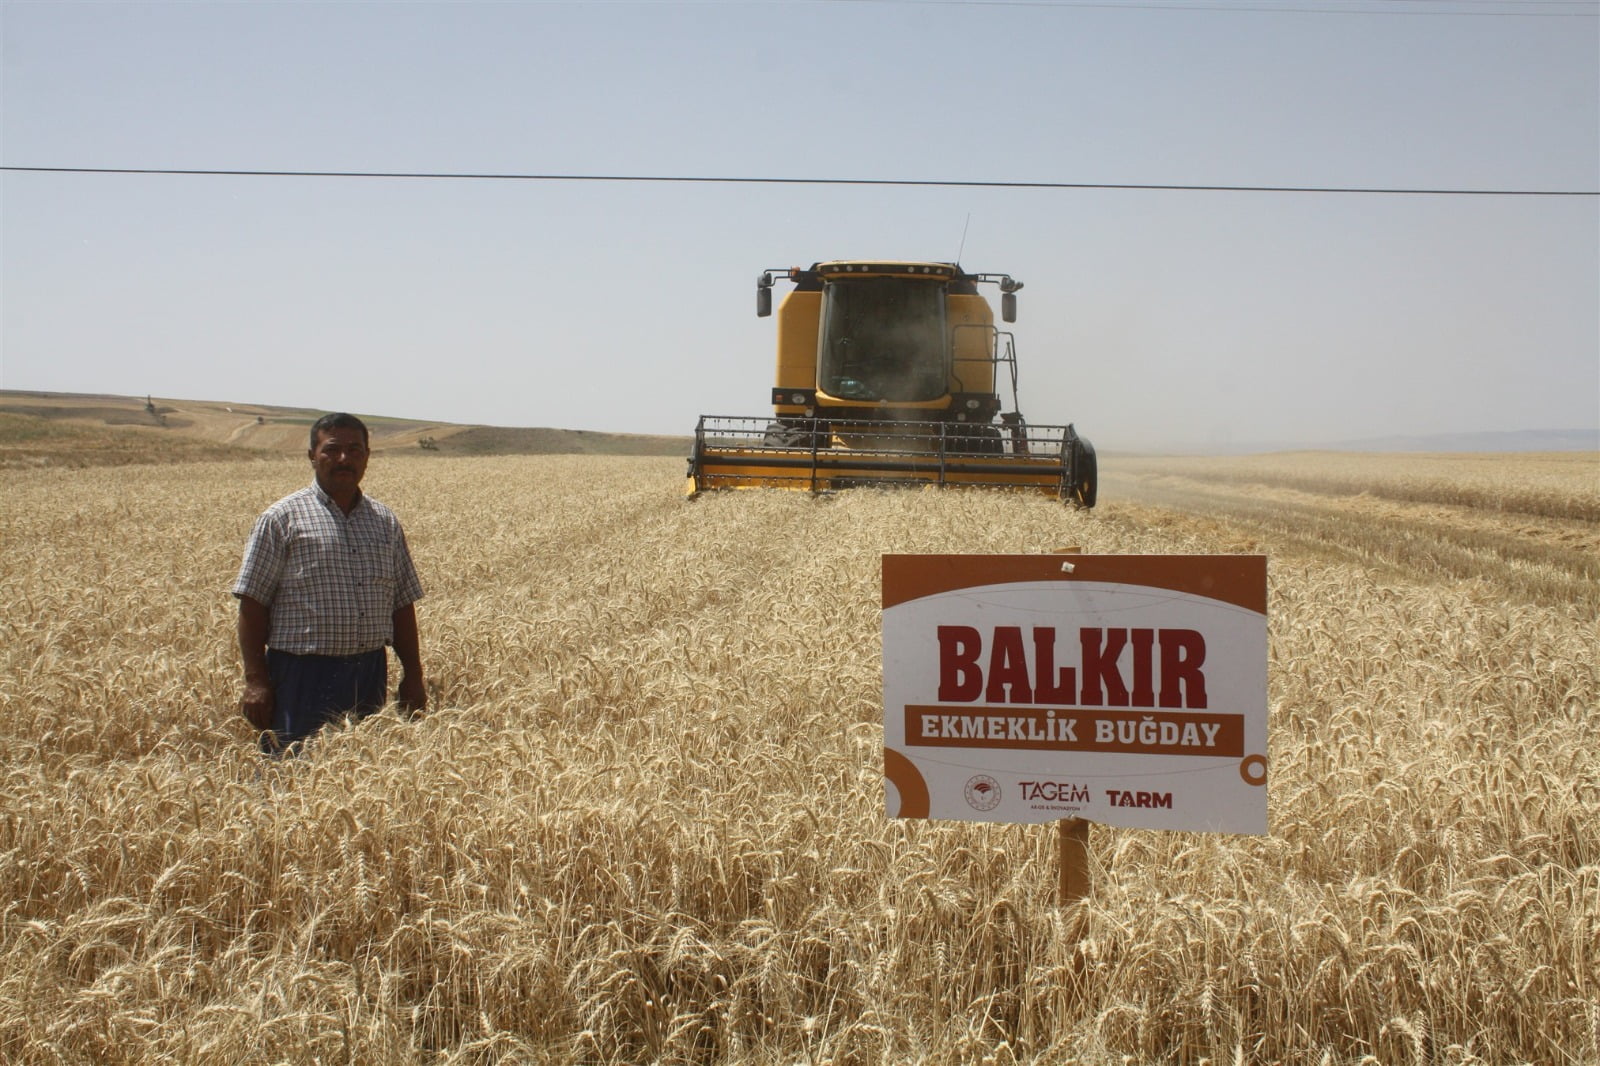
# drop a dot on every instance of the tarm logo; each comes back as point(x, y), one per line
point(983, 793)
point(1156, 800)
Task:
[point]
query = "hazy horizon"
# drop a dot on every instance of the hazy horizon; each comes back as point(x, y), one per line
point(1542, 439)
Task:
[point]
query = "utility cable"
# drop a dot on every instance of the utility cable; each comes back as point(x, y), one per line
point(709, 180)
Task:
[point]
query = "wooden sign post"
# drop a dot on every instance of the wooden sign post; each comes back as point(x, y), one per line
point(1074, 836)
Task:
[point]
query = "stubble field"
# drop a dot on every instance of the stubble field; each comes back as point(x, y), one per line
point(643, 821)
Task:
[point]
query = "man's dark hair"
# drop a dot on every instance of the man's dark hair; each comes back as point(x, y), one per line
point(338, 420)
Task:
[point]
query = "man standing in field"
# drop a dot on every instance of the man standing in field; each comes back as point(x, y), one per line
point(327, 583)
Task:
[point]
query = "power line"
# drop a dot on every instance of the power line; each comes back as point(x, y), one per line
point(728, 180)
point(1433, 8)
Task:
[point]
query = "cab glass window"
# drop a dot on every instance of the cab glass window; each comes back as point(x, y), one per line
point(883, 339)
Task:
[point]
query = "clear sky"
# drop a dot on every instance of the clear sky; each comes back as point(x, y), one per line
point(1149, 318)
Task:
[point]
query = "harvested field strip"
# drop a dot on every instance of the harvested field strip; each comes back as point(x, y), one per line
point(1541, 560)
point(1560, 485)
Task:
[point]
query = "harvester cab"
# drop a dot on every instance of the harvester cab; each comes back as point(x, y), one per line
point(888, 373)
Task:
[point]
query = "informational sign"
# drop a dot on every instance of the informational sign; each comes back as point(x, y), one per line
point(1125, 690)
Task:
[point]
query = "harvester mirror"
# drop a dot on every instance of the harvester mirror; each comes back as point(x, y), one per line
point(764, 296)
point(1008, 306)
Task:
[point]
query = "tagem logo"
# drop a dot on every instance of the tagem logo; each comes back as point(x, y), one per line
point(983, 793)
point(1054, 792)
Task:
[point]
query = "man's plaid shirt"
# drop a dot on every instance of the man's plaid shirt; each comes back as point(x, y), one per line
point(332, 582)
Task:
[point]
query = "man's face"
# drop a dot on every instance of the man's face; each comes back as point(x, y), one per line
point(340, 459)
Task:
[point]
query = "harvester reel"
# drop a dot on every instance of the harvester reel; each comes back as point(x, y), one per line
point(977, 440)
point(786, 433)
point(813, 455)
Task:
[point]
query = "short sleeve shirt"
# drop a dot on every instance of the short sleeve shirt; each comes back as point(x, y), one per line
point(332, 581)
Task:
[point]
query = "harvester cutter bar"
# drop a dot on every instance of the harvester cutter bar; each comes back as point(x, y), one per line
point(818, 456)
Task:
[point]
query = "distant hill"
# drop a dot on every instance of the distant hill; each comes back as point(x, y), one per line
point(501, 440)
point(77, 429)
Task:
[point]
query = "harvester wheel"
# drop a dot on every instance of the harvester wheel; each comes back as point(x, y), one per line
point(1085, 474)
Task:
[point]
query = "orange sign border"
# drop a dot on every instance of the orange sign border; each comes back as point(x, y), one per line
point(911, 577)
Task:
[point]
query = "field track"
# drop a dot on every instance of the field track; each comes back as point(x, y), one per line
point(1525, 525)
point(643, 821)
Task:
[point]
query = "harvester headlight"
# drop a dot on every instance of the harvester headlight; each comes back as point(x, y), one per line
point(972, 405)
point(798, 397)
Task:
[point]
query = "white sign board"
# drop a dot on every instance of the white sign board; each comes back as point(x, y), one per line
point(1125, 690)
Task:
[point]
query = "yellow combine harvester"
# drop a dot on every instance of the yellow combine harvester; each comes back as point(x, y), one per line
point(887, 376)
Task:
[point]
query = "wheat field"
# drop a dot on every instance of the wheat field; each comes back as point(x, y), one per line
point(643, 820)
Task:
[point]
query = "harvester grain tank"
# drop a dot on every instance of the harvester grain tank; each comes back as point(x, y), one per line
point(889, 373)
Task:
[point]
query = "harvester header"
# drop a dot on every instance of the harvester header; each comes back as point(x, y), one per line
point(887, 374)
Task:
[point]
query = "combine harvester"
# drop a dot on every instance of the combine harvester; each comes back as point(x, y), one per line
point(887, 376)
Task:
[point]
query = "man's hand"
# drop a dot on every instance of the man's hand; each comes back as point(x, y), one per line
point(256, 704)
point(255, 621)
point(412, 695)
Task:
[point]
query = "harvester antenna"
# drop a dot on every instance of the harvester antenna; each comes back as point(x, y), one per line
point(963, 246)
